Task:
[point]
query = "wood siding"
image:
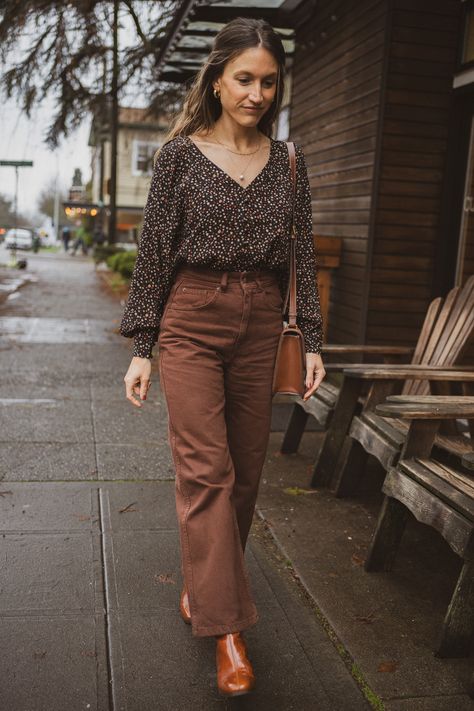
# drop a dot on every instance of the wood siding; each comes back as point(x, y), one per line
point(371, 105)
point(335, 110)
point(418, 100)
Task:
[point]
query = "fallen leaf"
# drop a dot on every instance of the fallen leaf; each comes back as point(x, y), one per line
point(387, 666)
point(296, 491)
point(164, 578)
point(367, 619)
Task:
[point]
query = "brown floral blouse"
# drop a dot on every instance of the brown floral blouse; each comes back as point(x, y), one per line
point(198, 214)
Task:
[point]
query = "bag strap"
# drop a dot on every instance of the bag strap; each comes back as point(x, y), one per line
point(291, 291)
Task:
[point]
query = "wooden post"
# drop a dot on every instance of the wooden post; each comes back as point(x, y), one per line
point(344, 411)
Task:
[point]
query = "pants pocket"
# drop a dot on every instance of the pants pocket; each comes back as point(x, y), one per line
point(190, 296)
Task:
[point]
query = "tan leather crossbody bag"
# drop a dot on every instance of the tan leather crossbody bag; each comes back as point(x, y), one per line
point(290, 364)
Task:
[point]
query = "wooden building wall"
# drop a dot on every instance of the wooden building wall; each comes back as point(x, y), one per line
point(334, 115)
point(422, 42)
point(371, 106)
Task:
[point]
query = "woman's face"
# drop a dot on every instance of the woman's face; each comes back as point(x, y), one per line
point(248, 85)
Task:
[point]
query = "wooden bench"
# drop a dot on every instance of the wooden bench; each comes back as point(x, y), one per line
point(437, 495)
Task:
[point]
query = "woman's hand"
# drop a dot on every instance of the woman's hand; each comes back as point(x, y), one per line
point(137, 379)
point(314, 373)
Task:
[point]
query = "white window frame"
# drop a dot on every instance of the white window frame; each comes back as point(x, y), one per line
point(153, 145)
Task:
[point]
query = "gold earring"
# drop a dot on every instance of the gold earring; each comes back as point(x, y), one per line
point(216, 93)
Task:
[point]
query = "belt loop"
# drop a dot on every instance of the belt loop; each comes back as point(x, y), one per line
point(257, 279)
point(223, 285)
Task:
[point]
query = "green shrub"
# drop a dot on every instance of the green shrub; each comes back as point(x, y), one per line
point(111, 261)
point(122, 262)
point(102, 251)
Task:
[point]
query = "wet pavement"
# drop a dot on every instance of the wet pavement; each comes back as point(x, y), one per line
point(90, 572)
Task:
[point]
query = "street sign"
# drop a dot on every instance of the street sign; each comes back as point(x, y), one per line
point(27, 163)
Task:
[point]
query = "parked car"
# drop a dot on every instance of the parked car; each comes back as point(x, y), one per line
point(19, 238)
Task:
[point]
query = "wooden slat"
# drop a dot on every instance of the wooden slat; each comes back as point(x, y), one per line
point(463, 482)
point(394, 435)
point(441, 482)
point(457, 327)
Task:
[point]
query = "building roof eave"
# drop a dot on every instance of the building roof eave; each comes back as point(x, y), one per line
point(196, 23)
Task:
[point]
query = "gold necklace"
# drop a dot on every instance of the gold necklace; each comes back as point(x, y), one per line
point(238, 152)
point(242, 173)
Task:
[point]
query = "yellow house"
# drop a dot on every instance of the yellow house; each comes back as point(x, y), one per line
point(139, 137)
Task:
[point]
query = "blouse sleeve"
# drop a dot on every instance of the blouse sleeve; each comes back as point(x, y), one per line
point(151, 275)
point(309, 318)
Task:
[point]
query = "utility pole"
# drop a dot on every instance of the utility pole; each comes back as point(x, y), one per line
point(16, 164)
point(56, 201)
point(114, 131)
point(104, 128)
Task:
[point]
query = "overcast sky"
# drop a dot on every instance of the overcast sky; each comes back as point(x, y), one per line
point(23, 139)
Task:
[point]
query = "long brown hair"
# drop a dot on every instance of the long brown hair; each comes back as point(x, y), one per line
point(200, 108)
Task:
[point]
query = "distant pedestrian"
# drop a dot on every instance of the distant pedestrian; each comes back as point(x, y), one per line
point(98, 236)
point(206, 286)
point(80, 241)
point(65, 237)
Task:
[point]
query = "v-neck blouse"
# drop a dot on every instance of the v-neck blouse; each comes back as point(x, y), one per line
point(198, 214)
point(226, 175)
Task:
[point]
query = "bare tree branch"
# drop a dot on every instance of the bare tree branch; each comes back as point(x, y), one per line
point(135, 19)
point(60, 48)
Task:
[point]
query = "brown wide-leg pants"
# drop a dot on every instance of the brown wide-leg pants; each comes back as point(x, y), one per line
point(217, 348)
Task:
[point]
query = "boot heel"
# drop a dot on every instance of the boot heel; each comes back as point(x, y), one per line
point(184, 607)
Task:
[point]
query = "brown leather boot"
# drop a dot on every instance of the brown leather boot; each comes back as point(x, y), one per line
point(184, 606)
point(234, 671)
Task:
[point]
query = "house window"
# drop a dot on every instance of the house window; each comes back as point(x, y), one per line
point(142, 157)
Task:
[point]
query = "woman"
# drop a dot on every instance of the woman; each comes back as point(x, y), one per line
point(208, 284)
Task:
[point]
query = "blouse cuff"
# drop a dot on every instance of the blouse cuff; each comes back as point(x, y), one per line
point(143, 342)
point(312, 333)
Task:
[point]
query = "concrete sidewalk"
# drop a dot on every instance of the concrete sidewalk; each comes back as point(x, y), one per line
point(90, 572)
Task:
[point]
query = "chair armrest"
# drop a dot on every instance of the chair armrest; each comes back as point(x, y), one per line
point(429, 399)
point(396, 366)
point(371, 350)
point(412, 372)
point(428, 407)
